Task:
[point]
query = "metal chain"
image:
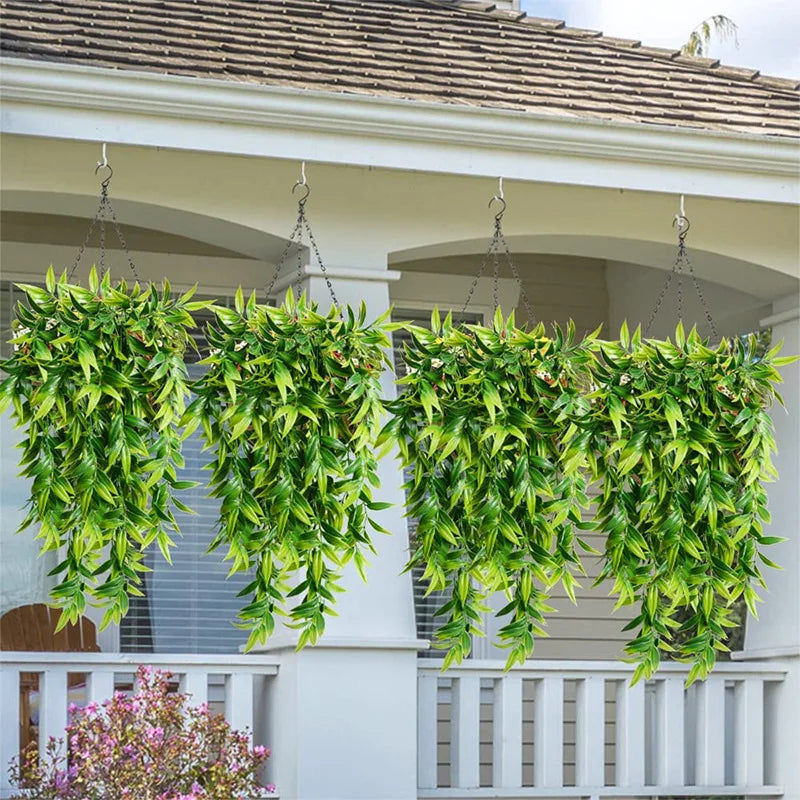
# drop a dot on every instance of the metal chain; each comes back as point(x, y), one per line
point(320, 262)
point(105, 207)
point(498, 240)
point(659, 301)
point(122, 241)
point(703, 301)
point(85, 242)
point(475, 282)
point(296, 237)
point(298, 227)
point(298, 286)
point(496, 268)
point(102, 246)
point(682, 259)
point(525, 300)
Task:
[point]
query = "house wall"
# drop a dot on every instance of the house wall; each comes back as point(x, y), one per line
point(596, 255)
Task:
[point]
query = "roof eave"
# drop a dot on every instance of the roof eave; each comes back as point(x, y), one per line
point(141, 108)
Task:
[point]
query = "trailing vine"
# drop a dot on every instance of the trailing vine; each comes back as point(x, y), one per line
point(291, 407)
point(98, 381)
point(498, 471)
point(684, 443)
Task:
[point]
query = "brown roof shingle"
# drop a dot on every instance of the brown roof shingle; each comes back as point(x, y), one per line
point(444, 51)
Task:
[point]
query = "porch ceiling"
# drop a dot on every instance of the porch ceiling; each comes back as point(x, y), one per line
point(210, 206)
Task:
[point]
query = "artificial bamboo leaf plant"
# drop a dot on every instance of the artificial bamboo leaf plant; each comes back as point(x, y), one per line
point(683, 443)
point(98, 381)
point(498, 470)
point(291, 408)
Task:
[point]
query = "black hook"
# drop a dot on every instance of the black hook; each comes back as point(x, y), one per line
point(499, 215)
point(683, 226)
point(106, 180)
point(303, 199)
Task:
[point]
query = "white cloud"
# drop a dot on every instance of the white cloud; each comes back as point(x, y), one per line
point(769, 31)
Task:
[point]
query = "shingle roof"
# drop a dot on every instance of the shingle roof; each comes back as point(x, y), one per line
point(443, 51)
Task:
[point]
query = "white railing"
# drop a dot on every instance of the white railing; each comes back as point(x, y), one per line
point(233, 685)
point(577, 729)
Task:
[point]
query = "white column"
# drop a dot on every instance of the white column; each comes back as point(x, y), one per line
point(776, 632)
point(9, 729)
point(342, 716)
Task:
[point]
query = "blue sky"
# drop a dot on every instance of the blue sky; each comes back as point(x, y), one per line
point(769, 30)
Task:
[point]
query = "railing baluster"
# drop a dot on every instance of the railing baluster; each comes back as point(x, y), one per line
point(9, 728)
point(711, 732)
point(749, 759)
point(427, 739)
point(548, 736)
point(671, 752)
point(100, 685)
point(630, 734)
point(465, 732)
point(590, 732)
point(52, 705)
point(507, 733)
point(195, 683)
point(239, 701)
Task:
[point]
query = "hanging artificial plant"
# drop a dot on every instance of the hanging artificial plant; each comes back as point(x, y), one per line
point(97, 379)
point(683, 443)
point(498, 481)
point(291, 406)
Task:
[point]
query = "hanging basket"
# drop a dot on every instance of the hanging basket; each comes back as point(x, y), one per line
point(98, 381)
point(683, 442)
point(498, 485)
point(291, 409)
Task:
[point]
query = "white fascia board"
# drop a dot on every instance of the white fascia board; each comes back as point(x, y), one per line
point(139, 108)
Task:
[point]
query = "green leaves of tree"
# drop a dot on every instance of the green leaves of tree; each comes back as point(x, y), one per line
point(683, 442)
point(291, 407)
point(97, 378)
point(498, 479)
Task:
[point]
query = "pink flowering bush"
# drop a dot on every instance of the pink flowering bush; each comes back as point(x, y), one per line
point(152, 745)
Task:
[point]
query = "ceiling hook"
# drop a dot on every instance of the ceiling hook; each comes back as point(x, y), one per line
point(302, 182)
point(499, 198)
point(104, 165)
point(681, 221)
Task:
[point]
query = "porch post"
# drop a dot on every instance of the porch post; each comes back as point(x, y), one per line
point(341, 716)
point(776, 633)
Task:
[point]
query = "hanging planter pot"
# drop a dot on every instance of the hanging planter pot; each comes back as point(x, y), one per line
point(683, 442)
point(98, 381)
point(291, 408)
point(484, 426)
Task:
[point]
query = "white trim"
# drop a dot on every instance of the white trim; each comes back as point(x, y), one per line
point(569, 668)
point(791, 651)
point(125, 106)
point(343, 643)
point(336, 273)
point(424, 291)
point(781, 316)
point(584, 792)
point(94, 661)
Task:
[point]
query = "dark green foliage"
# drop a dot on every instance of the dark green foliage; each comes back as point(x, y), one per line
point(291, 407)
point(498, 470)
point(683, 441)
point(98, 381)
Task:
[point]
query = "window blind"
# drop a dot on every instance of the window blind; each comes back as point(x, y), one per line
point(189, 606)
point(425, 605)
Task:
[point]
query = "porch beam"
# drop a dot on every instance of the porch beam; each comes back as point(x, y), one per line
point(88, 103)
